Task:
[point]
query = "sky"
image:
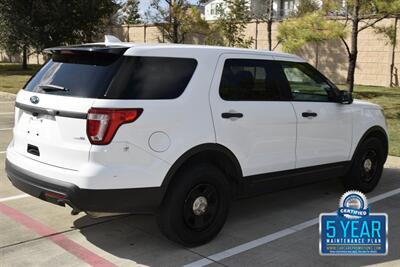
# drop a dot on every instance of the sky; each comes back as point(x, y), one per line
point(144, 4)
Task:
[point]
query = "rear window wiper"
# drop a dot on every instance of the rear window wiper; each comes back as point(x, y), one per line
point(51, 87)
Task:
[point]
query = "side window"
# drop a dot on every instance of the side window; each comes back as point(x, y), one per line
point(248, 80)
point(151, 78)
point(307, 84)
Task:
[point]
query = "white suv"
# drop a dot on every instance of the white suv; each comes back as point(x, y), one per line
point(180, 130)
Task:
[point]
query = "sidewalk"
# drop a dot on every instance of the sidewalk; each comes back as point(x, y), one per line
point(393, 162)
point(6, 97)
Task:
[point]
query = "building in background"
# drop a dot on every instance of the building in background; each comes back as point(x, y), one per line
point(212, 7)
point(282, 8)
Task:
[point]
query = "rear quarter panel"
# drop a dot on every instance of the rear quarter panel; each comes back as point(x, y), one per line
point(186, 120)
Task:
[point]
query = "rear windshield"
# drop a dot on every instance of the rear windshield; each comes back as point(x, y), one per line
point(110, 76)
point(80, 75)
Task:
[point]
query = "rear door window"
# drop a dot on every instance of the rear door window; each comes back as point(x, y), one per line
point(249, 80)
point(151, 78)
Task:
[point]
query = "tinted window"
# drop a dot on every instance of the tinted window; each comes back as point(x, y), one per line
point(80, 74)
point(306, 83)
point(151, 78)
point(246, 79)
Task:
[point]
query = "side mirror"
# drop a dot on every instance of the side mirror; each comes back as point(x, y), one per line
point(345, 97)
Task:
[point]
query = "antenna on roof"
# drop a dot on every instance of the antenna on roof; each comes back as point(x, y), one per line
point(111, 39)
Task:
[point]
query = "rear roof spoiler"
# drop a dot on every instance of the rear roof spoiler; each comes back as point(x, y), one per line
point(88, 48)
point(111, 45)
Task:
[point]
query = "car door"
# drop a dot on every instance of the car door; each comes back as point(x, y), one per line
point(251, 116)
point(324, 126)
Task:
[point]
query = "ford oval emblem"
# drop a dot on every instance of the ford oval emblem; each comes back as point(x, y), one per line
point(34, 99)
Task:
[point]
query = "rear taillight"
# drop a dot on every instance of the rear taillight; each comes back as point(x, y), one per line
point(103, 123)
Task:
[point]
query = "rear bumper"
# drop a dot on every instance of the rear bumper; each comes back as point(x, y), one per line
point(136, 200)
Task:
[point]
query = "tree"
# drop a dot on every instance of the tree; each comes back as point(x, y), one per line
point(36, 24)
point(263, 11)
point(15, 35)
point(232, 23)
point(177, 18)
point(361, 14)
point(312, 28)
point(131, 12)
point(390, 33)
point(305, 7)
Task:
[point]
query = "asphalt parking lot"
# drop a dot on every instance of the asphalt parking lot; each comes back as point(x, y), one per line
point(277, 229)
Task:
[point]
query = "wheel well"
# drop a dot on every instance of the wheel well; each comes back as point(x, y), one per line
point(215, 154)
point(376, 132)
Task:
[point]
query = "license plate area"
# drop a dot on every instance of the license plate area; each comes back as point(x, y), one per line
point(34, 126)
point(52, 140)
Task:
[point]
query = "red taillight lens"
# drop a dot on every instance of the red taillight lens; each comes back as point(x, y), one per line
point(103, 123)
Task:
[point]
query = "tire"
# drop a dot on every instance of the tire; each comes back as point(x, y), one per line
point(190, 224)
point(367, 166)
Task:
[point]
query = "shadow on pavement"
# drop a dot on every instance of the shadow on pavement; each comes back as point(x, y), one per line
point(137, 238)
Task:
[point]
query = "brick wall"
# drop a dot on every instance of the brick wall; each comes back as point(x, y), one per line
point(374, 58)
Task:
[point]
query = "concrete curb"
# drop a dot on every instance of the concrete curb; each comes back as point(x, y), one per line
point(7, 96)
point(393, 162)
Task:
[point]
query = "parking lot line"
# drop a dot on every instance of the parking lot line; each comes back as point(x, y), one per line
point(4, 199)
point(3, 152)
point(271, 237)
point(5, 129)
point(59, 239)
point(6, 113)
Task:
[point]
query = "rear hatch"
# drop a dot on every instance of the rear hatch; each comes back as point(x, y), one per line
point(51, 111)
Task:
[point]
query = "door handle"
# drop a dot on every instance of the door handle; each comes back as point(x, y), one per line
point(309, 114)
point(228, 115)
